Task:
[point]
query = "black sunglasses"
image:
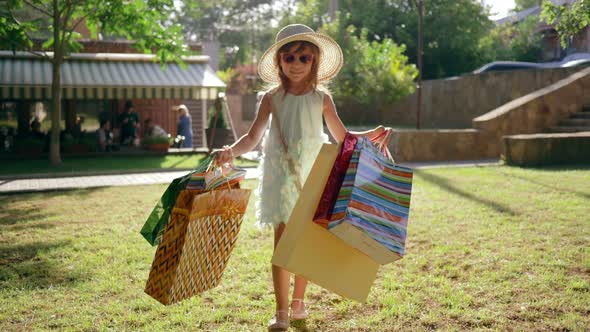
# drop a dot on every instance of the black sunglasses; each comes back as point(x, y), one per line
point(289, 58)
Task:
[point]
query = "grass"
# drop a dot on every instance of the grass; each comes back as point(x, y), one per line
point(106, 163)
point(495, 248)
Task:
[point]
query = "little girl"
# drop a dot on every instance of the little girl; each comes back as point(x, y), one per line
point(295, 65)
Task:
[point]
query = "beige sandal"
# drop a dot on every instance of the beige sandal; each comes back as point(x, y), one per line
point(277, 324)
point(298, 315)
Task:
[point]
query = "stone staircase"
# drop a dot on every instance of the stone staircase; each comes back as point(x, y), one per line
point(577, 122)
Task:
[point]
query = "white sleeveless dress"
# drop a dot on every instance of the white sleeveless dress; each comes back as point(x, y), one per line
point(300, 119)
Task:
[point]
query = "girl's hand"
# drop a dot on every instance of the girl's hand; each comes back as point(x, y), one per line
point(223, 156)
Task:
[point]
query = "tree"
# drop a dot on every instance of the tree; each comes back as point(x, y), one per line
point(241, 26)
point(510, 42)
point(313, 13)
point(375, 73)
point(452, 30)
point(568, 20)
point(144, 21)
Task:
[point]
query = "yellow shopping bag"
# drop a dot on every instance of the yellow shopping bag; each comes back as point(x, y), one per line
point(316, 254)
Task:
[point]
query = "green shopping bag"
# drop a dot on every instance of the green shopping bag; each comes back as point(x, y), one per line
point(156, 222)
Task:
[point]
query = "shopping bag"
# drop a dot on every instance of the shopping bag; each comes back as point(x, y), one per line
point(225, 174)
point(372, 208)
point(196, 243)
point(323, 213)
point(160, 215)
point(313, 252)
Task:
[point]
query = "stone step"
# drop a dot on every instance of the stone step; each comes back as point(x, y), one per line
point(580, 115)
point(571, 122)
point(568, 129)
point(547, 149)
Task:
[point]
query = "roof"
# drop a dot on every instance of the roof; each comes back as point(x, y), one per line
point(521, 15)
point(107, 76)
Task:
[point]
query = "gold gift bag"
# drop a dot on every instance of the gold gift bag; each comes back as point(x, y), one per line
point(196, 243)
point(316, 254)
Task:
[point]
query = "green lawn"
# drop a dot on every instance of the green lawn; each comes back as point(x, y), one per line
point(106, 164)
point(495, 248)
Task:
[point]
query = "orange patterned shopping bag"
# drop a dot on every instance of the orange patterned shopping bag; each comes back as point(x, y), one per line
point(196, 243)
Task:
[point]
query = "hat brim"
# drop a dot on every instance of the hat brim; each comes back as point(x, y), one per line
point(331, 58)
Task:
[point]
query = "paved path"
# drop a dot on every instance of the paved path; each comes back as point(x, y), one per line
point(46, 184)
point(20, 185)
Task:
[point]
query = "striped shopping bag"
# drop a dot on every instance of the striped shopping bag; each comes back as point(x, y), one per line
point(372, 209)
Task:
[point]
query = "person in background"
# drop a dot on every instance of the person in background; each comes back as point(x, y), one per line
point(129, 121)
point(77, 130)
point(185, 126)
point(36, 132)
point(151, 129)
point(105, 137)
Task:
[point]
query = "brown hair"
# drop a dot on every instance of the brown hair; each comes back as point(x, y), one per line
point(298, 46)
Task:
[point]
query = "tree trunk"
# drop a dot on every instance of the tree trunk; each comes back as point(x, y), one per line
point(54, 155)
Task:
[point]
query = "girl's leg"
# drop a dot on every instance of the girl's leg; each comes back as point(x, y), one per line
point(280, 279)
point(299, 289)
point(297, 306)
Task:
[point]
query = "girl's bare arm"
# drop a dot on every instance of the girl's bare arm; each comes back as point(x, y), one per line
point(249, 141)
point(336, 127)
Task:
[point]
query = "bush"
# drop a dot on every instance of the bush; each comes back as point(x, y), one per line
point(155, 140)
point(375, 74)
point(86, 139)
point(512, 42)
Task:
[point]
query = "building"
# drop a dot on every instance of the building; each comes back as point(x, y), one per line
point(95, 83)
point(552, 49)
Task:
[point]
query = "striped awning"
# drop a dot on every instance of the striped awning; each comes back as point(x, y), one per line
point(107, 76)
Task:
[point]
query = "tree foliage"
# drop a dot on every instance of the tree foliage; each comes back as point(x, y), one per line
point(242, 27)
point(146, 22)
point(375, 73)
point(452, 30)
point(512, 42)
point(568, 20)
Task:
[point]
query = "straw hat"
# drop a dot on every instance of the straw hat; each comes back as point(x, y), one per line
point(331, 58)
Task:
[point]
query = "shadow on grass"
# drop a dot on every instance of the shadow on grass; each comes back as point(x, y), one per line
point(21, 266)
point(548, 186)
point(23, 216)
point(30, 216)
point(557, 168)
point(448, 186)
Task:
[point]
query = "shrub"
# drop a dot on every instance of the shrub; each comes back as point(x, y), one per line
point(155, 140)
point(375, 74)
point(86, 139)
